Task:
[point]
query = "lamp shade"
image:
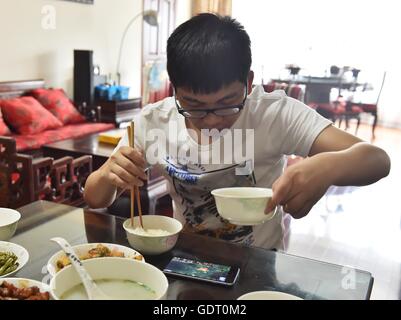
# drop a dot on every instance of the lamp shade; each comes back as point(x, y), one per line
point(151, 17)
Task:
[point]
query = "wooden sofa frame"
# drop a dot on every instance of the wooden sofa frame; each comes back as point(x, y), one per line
point(25, 178)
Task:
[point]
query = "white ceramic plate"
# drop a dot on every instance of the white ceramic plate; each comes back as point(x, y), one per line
point(82, 249)
point(268, 295)
point(26, 283)
point(19, 251)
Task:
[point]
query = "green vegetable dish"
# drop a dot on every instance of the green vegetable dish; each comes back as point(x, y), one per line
point(8, 263)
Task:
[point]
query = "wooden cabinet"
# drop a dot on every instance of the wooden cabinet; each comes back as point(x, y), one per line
point(118, 111)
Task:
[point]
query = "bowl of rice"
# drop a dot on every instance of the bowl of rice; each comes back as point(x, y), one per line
point(159, 235)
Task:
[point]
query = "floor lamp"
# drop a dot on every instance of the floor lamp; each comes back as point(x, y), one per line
point(150, 17)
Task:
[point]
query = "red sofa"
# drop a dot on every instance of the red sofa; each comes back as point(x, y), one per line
point(31, 137)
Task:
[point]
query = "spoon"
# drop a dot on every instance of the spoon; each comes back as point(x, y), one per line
point(92, 290)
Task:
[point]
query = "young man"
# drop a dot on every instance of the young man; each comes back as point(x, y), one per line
point(209, 61)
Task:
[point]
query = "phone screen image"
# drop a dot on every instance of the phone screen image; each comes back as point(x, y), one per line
point(201, 270)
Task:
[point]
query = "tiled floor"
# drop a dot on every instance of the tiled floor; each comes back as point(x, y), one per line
point(359, 227)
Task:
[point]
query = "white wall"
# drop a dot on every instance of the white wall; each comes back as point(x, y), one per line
point(316, 34)
point(28, 51)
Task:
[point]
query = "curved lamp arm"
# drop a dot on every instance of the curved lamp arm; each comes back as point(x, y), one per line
point(122, 44)
point(150, 16)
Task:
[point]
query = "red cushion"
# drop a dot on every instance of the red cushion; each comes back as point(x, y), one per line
point(295, 91)
point(56, 101)
point(4, 130)
point(369, 107)
point(272, 86)
point(35, 141)
point(330, 108)
point(27, 116)
point(356, 109)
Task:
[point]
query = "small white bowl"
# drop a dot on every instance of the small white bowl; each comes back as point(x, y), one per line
point(268, 295)
point(8, 223)
point(244, 206)
point(111, 269)
point(153, 245)
point(21, 253)
point(26, 283)
point(82, 249)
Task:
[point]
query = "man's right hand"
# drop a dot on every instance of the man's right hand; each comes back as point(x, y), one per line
point(124, 169)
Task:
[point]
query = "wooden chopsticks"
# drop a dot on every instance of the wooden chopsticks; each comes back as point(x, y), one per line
point(135, 189)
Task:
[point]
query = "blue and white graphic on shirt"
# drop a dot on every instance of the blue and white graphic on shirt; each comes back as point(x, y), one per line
point(194, 182)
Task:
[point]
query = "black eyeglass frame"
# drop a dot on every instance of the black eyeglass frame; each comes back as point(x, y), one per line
point(185, 112)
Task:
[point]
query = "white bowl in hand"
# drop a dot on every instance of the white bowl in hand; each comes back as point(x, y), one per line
point(153, 242)
point(244, 206)
point(8, 223)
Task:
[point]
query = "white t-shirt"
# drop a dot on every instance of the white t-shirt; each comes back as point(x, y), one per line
point(281, 126)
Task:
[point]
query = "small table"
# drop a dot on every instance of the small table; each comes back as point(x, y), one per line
point(318, 88)
point(87, 145)
point(260, 269)
point(154, 188)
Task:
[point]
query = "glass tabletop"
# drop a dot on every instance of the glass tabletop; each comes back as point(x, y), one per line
point(260, 269)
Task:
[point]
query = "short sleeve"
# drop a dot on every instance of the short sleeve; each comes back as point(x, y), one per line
point(299, 125)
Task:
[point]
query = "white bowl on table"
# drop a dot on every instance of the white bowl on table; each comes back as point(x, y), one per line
point(244, 206)
point(268, 295)
point(21, 253)
point(153, 244)
point(112, 269)
point(82, 249)
point(8, 223)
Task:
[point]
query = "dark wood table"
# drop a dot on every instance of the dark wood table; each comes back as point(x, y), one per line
point(317, 89)
point(87, 145)
point(260, 269)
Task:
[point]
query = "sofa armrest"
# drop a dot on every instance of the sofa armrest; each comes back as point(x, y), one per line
point(24, 179)
point(16, 175)
point(91, 113)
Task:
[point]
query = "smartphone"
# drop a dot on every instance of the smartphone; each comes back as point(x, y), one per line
point(200, 270)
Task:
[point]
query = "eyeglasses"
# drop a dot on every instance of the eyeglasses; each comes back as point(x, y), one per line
point(220, 112)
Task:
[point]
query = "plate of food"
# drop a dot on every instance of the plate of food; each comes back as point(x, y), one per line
point(90, 251)
point(12, 258)
point(23, 289)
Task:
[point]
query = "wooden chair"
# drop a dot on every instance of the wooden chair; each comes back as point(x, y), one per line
point(24, 179)
point(372, 107)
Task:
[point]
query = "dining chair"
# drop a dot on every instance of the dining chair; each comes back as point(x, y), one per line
point(369, 106)
point(292, 90)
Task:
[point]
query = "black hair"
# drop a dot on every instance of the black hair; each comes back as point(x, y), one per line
point(207, 53)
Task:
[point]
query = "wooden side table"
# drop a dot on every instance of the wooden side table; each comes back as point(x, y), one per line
point(118, 112)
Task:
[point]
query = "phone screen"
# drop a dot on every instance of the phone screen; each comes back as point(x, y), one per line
point(216, 273)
